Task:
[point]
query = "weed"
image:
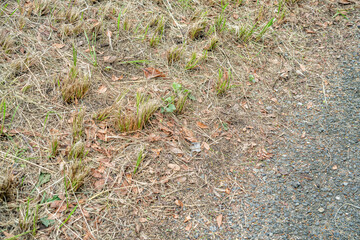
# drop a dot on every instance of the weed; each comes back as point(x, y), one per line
point(77, 151)
point(139, 159)
point(7, 187)
point(76, 175)
point(220, 22)
point(3, 115)
point(42, 7)
point(54, 147)
point(223, 82)
point(67, 219)
point(28, 217)
point(176, 102)
point(6, 42)
point(77, 125)
point(212, 43)
point(194, 60)
point(76, 84)
point(130, 120)
point(264, 29)
point(245, 32)
point(197, 30)
point(103, 113)
point(173, 55)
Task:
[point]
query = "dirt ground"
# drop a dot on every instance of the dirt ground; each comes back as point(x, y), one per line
point(122, 119)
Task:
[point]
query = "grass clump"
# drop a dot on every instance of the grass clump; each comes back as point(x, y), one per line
point(7, 186)
point(223, 81)
point(194, 60)
point(78, 171)
point(76, 84)
point(76, 175)
point(173, 55)
point(139, 159)
point(212, 44)
point(54, 147)
point(136, 118)
point(197, 30)
point(78, 125)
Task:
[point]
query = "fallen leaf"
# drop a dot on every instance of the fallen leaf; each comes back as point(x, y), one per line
point(219, 220)
point(303, 134)
point(157, 151)
point(235, 16)
point(335, 167)
point(58, 45)
point(345, 2)
point(181, 179)
point(310, 31)
point(188, 227)
point(227, 191)
point(179, 203)
point(176, 150)
point(174, 167)
point(143, 220)
point(206, 146)
point(274, 100)
point(153, 137)
point(115, 78)
point(99, 183)
point(153, 73)
point(110, 59)
point(102, 89)
point(188, 218)
point(309, 105)
point(201, 125)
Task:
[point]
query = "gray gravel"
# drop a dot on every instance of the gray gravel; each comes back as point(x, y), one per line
point(312, 189)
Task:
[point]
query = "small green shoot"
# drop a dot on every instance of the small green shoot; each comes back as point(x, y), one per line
point(140, 158)
point(223, 81)
point(67, 219)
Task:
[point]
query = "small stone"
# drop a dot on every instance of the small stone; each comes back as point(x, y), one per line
point(338, 198)
point(321, 210)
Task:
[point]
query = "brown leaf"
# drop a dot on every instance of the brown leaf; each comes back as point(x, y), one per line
point(174, 167)
point(143, 220)
point(188, 227)
point(309, 105)
point(310, 31)
point(345, 2)
point(206, 146)
point(181, 179)
point(227, 191)
point(219, 220)
point(201, 125)
point(153, 137)
point(153, 73)
point(58, 45)
point(115, 78)
point(303, 134)
point(102, 89)
point(176, 150)
point(110, 59)
point(179, 203)
point(99, 183)
point(188, 218)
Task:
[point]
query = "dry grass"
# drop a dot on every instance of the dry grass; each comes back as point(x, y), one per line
point(62, 67)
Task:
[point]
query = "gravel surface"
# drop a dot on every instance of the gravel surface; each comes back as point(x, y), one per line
point(310, 189)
